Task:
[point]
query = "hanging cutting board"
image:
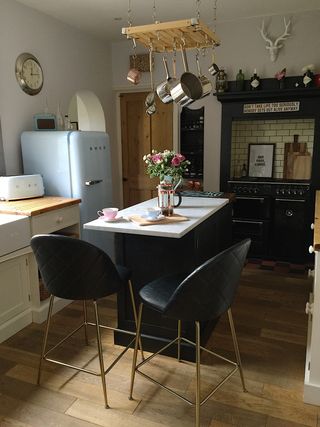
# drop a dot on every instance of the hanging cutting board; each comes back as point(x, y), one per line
point(302, 166)
point(297, 161)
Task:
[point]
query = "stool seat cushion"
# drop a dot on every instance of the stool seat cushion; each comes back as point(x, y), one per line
point(158, 293)
point(204, 294)
point(75, 269)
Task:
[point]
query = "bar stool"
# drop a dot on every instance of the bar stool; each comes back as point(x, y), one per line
point(77, 270)
point(204, 295)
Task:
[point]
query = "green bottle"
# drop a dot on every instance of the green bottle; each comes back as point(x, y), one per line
point(240, 81)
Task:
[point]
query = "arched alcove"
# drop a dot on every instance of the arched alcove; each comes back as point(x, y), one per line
point(86, 109)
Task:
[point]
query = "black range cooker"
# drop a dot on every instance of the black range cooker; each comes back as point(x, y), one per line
point(276, 215)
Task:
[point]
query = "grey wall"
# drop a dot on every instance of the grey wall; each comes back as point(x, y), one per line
point(241, 47)
point(71, 61)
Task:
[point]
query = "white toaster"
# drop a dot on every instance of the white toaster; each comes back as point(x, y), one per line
point(21, 187)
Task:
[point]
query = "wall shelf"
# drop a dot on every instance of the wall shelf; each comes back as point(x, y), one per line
point(164, 36)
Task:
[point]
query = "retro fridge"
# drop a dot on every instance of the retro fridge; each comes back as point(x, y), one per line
point(74, 164)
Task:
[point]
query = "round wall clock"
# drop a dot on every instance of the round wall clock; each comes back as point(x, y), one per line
point(29, 73)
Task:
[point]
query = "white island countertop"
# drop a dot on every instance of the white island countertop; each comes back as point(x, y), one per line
point(196, 209)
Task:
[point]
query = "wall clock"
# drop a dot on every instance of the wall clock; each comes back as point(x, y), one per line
point(29, 73)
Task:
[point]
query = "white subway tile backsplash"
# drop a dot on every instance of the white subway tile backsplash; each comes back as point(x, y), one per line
point(276, 132)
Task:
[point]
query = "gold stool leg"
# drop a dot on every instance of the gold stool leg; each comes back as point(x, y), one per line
point(134, 309)
point(179, 341)
point(45, 339)
point(197, 374)
point(103, 378)
point(85, 321)
point(236, 348)
point(134, 359)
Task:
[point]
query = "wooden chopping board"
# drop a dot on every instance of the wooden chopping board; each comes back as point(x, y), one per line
point(297, 161)
point(166, 220)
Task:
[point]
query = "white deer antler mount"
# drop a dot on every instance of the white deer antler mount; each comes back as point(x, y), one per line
point(274, 46)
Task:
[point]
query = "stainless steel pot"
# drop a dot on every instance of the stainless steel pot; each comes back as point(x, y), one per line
point(188, 88)
point(163, 89)
point(205, 82)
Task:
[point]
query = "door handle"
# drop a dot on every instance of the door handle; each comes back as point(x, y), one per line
point(124, 179)
point(93, 182)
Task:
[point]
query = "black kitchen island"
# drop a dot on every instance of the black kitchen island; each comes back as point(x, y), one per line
point(155, 250)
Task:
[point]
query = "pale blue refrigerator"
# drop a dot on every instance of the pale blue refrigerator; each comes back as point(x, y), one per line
point(74, 164)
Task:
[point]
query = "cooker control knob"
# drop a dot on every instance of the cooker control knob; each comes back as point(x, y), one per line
point(312, 226)
point(294, 192)
point(282, 191)
point(311, 249)
point(288, 192)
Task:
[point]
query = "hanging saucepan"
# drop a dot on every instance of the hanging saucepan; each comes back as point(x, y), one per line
point(189, 88)
point(150, 101)
point(163, 89)
point(205, 82)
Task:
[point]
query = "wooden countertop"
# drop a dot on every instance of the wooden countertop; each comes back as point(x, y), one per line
point(36, 206)
point(316, 238)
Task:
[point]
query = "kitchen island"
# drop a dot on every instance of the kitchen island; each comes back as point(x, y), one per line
point(155, 250)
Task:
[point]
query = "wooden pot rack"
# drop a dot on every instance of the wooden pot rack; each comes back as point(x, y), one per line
point(165, 36)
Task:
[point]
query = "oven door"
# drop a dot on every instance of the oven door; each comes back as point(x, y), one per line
point(251, 207)
point(257, 231)
point(291, 231)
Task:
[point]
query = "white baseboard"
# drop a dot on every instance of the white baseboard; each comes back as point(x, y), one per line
point(15, 324)
point(39, 314)
point(311, 393)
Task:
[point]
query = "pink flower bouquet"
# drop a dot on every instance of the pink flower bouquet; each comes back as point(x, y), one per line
point(167, 163)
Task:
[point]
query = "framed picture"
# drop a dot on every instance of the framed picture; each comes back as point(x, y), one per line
point(260, 160)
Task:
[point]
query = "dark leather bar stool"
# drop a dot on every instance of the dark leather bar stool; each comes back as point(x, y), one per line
point(204, 295)
point(77, 270)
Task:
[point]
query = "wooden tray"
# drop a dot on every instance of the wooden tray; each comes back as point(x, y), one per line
point(164, 35)
point(137, 219)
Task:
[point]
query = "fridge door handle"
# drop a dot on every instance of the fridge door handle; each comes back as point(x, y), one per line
point(93, 182)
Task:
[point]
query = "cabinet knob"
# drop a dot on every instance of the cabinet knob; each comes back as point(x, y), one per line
point(309, 308)
point(311, 249)
point(312, 226)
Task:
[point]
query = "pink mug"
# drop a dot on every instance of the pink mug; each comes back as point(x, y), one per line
point(108, 213)
point(134, 76)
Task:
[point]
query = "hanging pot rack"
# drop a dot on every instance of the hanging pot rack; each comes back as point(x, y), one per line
point(163, 36)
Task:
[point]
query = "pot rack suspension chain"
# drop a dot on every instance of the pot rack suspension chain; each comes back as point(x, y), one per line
point(198, 2)
point(214, 26)
point(129, 14)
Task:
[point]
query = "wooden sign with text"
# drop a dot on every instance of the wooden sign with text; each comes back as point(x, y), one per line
point(272, 107)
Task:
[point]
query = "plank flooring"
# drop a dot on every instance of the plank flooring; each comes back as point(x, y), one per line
point(272, 329)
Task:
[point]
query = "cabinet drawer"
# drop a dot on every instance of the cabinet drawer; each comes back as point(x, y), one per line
point(55, 220)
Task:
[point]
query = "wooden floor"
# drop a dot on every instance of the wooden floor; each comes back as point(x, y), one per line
point(271, 325)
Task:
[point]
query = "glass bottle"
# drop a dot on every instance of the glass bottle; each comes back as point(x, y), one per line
point(67, 124)
point(221, 81)
point(243, 170)
point(60, 122)
point(255, 81)
point(240, 81)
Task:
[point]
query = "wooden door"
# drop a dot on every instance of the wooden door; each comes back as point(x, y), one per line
point(140, 134)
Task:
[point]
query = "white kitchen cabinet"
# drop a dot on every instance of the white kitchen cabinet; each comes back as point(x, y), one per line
point(15, 304)
point(312, 369)
point(61, 221)
point(19, 278)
